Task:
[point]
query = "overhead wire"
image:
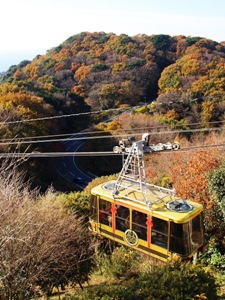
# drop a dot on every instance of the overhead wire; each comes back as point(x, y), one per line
point(81, 136)
point(105, 153)
point(69, 115)
point(87, 132)
point(126, 110)
point(107, 110)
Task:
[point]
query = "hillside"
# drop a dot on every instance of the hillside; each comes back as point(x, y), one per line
point(182, 77)
point(106, 70)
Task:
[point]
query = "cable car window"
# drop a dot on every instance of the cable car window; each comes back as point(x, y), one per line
point(93, 208)
point(196, 232)
point(180, 238)
point(104, 212)
point(122, 214)
point(139, 224)
point(159, 232)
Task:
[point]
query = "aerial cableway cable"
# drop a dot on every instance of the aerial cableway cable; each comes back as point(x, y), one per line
point(81, 136)
point(104, 153)
point(147, 128)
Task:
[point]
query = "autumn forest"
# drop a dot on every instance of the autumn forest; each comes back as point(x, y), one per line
point(170, 86)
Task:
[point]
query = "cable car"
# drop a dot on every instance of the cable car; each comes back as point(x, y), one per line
point(146, 217)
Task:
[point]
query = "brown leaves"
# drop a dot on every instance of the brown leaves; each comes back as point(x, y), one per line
point(41, 245)
point(189, 177)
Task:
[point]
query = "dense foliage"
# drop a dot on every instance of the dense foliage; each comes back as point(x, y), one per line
point(107, 71)
point(138, 278)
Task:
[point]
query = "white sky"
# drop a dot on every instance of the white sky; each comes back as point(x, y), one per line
point(31, 27)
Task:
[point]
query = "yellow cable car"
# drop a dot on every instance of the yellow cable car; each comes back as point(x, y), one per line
point(143, 216)
point(169, 228)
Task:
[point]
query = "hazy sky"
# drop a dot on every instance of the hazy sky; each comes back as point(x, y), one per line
point(31, 27)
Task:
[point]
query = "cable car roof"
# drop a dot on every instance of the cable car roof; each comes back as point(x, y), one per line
point(161, 202)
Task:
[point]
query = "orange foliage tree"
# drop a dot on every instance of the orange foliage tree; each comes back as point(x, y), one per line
point(82, 72)
point(20, 104)
point(208, 110)
point(189, 176)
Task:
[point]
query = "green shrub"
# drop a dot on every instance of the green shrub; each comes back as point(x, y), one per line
point(76, 202)
point(99, 67)
point(136, 63)
point(121, 263)
point(172, 282)
point(177, 282)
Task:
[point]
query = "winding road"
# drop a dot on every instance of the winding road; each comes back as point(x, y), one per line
point(67, 166)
